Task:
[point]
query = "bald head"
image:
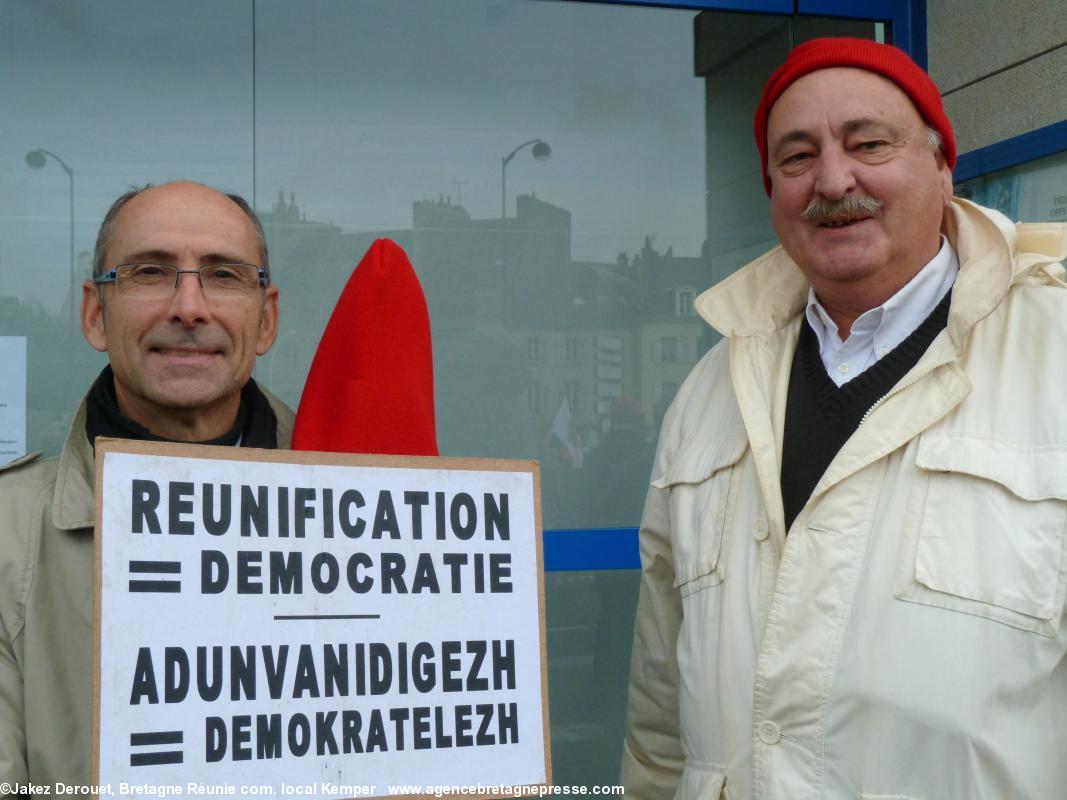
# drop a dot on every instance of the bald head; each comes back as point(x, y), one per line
point(177, 189)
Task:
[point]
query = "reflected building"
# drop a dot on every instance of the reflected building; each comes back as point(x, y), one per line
point(672, 336)
point(524, 336)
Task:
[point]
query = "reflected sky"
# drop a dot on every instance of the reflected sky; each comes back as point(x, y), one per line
point(359, 107)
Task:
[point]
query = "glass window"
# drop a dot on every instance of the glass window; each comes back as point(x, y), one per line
point(683, 302)
point(565, 177)
point(100, 97)
point(572, 352)
point(1031, 192)
point(539, 162)
point(668, 349)
point(534, 397)
point(574, 396)
point(534, 350)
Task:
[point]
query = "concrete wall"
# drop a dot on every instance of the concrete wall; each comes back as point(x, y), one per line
point(1000, 65)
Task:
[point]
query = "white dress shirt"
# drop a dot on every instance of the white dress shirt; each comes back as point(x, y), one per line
point(877, 331)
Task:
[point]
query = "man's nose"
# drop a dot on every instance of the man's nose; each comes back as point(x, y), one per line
point(189, 305)
point(834, 174)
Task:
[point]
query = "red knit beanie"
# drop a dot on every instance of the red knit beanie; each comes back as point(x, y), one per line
point(889, 62)
point(370, 388)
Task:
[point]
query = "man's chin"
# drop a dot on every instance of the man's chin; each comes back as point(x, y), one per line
point(190, 394)
point(844, 264)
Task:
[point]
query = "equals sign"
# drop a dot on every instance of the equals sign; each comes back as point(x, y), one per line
point(156, 756)
point(153, 569)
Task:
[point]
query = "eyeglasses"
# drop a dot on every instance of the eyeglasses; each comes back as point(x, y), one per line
point(159, 281)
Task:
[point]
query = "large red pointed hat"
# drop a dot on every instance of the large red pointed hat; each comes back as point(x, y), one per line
point(370, 388)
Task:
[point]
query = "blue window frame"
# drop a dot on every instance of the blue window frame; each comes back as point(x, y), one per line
point(591, 548)
point(1011, 152)
point(751, 6)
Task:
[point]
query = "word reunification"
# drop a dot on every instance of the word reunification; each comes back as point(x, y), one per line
point(294, 511)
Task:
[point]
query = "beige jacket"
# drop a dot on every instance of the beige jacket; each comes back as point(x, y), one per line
point(906, 640)
point(46, 609)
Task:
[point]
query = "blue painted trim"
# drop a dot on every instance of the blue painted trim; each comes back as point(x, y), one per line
point(591, 548)
point(751, 6)
point(909, 29)
point(907, 18)
point(869, 9)
point(1012, 152)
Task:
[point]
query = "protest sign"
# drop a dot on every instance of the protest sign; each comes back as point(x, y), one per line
point(286, 619)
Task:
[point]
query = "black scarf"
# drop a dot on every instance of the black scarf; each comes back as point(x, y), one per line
point(255, 426)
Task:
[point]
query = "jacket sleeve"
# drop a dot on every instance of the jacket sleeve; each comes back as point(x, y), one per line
point(12, 718)
point(17, 500)
point(652, 757)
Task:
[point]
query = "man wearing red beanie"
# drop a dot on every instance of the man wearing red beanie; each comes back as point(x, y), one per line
point(853, 548)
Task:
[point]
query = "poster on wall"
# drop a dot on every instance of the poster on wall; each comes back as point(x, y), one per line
point(12, 398)
point(290, 623)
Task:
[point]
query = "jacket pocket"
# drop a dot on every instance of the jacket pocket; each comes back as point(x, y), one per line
point(701, 782)
point(984, 532)
point(698, 481)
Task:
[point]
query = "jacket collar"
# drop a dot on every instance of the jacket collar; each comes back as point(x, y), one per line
point(73, 504)
point(765, 295)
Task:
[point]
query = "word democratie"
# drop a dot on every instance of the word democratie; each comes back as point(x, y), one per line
point(184, 508)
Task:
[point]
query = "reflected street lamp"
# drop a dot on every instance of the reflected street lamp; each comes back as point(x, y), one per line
point(541, 151)
point(36, 159)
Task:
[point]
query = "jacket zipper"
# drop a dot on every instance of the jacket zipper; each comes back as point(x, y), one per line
point(898, 388)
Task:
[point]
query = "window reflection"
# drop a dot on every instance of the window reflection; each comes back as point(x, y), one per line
point(1032, 192)
point(562, 328)
point(73, 87)
point(522, 370)
point(544, 316)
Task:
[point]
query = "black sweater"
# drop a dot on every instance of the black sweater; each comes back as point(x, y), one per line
point(820, 416)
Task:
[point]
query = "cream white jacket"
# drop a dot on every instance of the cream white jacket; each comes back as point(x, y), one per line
point(906, 640)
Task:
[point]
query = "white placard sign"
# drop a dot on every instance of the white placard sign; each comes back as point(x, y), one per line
point(12, 397)
point(317, 623)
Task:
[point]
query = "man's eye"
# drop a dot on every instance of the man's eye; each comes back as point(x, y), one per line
point(874, 144)
point(145, 271)
point(795, 158)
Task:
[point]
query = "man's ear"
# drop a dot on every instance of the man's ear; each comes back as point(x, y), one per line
point(268, 321)
point(944, 173)
point(93, 317)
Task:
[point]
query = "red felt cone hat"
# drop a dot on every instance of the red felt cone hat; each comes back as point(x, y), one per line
point(370, 388)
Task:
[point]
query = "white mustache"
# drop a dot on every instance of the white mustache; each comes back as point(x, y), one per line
point(819, 211)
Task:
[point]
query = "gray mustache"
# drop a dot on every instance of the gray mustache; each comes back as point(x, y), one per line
point(819, 211)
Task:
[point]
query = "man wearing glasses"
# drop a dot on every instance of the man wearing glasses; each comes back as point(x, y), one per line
point(182, 302)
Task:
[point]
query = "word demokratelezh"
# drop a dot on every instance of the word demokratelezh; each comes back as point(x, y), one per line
point(377, 668)
point(293, 512)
